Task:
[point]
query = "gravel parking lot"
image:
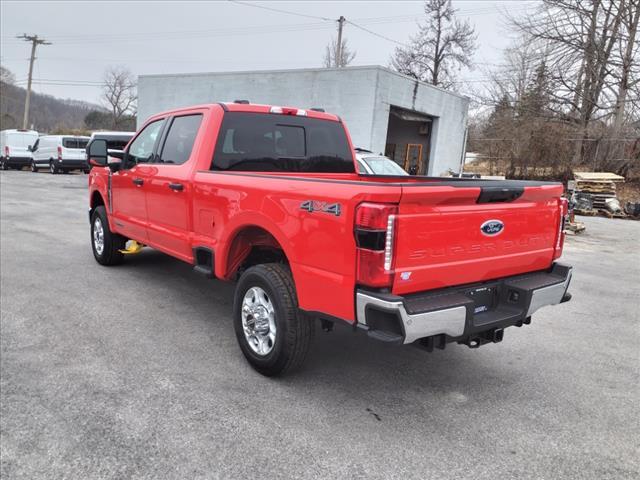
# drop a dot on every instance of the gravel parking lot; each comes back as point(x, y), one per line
point(134, 372)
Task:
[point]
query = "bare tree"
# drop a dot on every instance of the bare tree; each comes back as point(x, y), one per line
point(629, 74)
point(331, 54)
point(6, 76)
point(119, 94)
point(443, 45)
point(581, 37)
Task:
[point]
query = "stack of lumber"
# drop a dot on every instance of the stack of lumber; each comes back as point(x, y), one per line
point(598, 185)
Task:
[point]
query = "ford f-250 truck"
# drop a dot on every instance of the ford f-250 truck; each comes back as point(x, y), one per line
point(269, 196)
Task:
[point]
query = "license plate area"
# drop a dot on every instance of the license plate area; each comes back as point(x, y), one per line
point(485, 299)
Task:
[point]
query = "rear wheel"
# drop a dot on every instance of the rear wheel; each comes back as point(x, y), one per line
point(52, 168)
point(273, 334)
point(105, 244)
point(3, 165)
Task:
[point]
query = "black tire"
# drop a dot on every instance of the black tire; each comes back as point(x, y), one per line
point(294, 330)
point(3, 165)
point(52, 168)
point(112, 242)
point(34, 169)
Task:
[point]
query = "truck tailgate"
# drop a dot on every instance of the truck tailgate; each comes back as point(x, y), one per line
point(440, 242)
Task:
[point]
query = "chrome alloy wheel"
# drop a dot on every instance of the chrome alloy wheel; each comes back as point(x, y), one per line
point(98, 236)
point(259, 321)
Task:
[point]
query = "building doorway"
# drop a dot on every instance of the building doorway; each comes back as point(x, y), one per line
point(409, 140)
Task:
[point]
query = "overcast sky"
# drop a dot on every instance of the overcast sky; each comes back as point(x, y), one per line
point(152, 37)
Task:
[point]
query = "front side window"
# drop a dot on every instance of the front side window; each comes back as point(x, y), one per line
point(180, 139)
point(141, 149)
point(272, 142)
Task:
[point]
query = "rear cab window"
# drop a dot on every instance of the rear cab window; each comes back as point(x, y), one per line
point(265, 142)
point(180, 139)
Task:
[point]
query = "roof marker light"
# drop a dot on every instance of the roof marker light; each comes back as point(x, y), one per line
point(275, 110)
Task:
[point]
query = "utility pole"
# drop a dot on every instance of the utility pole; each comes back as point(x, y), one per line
point(341, 21)
point(35, 41)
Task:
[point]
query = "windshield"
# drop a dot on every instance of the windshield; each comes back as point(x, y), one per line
point(383, 166)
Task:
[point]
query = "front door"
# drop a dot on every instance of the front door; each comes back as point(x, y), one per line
point(169, 189)
point(128, 202)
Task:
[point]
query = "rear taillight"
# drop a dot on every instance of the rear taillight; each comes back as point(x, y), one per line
point(6, 151)
point(59, 153)
point(375, 225)
point(563, 210)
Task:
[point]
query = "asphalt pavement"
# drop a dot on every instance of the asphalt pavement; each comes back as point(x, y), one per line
point(134, 372)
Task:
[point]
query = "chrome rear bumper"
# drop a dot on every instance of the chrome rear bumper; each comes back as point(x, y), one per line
point(456, 313)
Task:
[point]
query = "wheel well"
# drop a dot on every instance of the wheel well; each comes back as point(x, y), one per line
point(96, 200)
point(253, 246)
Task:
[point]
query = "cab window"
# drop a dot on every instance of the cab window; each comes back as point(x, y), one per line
point(141, 149)
point(179, 141)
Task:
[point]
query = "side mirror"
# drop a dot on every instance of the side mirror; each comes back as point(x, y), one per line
point(97, 153)
point(116, 160)
point(30, 148)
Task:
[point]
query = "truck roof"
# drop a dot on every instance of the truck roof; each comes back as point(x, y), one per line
point(257, 108)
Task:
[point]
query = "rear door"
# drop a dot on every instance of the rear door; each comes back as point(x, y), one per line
point(453, 235)
point(169, 189)
point(74, 148)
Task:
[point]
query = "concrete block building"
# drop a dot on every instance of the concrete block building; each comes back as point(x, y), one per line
point(420, 126)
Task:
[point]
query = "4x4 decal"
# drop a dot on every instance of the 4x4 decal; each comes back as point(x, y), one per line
point(315, 206)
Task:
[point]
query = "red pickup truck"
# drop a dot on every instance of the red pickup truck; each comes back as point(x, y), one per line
point(270, 197)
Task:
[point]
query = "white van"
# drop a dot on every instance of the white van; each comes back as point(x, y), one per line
point(14, 148)
point(60, 153)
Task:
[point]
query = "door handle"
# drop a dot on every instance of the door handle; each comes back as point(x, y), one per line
point(178, 187)
point(138, 181)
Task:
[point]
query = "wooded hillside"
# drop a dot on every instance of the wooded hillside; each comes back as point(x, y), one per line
point(47, 113)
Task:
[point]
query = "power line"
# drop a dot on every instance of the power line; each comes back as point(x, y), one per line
point(288, 12)
point(375, 33)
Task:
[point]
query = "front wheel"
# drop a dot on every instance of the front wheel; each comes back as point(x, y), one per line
point(34, 169)
point(105, 244)
point(273, 334)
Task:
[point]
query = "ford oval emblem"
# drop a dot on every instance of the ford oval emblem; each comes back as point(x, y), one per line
point(491, 228)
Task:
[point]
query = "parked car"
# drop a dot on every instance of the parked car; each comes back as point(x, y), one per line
point(270, 197)
point(371, 164)
point(115, 140)
point(60, 153)
point(15, 147)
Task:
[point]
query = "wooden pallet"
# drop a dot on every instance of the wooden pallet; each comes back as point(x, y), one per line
point(586, 213)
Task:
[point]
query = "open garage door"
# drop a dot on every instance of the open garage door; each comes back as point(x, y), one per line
point(409, 139)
